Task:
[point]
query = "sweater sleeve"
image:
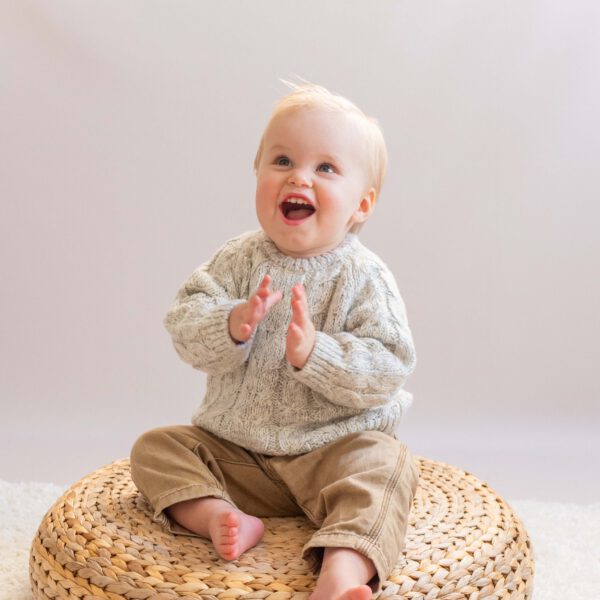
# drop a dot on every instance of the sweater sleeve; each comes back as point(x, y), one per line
point(198, 319)
point(366, 365)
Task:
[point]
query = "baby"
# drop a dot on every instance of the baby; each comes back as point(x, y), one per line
point(304, 337)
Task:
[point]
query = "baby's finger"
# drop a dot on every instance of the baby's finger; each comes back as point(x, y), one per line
point(245, 330)
point(300, 313)
point(261, 306)
point(255, 305)
point(300, 294)
point(264, 288)
point(297, 312)
point(272, 299)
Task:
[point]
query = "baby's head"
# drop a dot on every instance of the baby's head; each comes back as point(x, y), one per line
point(319, 169)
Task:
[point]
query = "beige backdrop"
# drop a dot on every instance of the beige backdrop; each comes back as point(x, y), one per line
point(127, 134)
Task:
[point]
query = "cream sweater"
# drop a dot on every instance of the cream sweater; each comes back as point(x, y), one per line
point(353, 378)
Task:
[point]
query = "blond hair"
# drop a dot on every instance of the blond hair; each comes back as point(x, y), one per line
point(308, 95)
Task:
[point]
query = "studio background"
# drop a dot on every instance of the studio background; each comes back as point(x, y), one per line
point(127, 135)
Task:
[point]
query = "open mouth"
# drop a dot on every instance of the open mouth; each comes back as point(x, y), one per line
point(296, 210)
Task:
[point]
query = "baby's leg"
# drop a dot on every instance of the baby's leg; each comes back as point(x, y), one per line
point(201, 485)
point(231, 531)
point(360, 494)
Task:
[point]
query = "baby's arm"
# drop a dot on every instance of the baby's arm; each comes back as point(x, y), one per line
point(366, 365)
point(200, 320)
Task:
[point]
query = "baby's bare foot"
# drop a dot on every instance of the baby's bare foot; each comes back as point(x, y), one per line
point(360, 592)
point(232, 532)
point(343, 575)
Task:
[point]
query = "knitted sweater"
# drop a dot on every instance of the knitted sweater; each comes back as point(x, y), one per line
point(351, 381)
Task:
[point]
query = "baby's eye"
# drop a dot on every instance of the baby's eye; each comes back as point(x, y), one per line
point(326, 167)
point(283, 161)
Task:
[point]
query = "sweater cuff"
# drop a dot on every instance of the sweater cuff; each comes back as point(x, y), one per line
point(324, 363)
point(217, 337)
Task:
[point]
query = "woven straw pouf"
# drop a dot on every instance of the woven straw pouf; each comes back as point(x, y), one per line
point(98, 542)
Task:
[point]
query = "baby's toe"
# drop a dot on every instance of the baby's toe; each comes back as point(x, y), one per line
point(229, 551)
point(232, 519)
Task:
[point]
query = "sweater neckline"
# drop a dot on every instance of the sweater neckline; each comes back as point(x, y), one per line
point(320, 261)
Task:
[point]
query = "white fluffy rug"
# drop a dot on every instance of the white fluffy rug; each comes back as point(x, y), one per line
point(565, 537)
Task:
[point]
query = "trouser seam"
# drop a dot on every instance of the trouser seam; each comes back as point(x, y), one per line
point(217, 458)
point(236, 462)
point(260, 463)
point(319, 534)
point(271, 473)
point(375, 531)
point(254, 465)
point(308, 512)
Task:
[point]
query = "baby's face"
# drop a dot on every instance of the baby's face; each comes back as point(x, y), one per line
point(312, 184)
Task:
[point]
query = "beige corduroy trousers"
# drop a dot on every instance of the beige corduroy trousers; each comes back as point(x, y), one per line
point(358, 490)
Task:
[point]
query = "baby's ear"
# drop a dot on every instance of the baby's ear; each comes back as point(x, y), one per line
point(366, 205)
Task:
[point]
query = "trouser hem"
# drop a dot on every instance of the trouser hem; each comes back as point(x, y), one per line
point(313, 550)
point(189, 492)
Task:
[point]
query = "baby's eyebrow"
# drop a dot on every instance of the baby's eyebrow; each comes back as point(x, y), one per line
point(330, 158)
point(322, 157)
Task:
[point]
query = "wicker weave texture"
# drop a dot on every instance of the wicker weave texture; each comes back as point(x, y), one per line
point(98, 542)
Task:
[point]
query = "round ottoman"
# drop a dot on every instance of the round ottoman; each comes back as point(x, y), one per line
point(98, 542)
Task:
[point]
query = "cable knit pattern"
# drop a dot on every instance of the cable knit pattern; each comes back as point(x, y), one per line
point(353, 378)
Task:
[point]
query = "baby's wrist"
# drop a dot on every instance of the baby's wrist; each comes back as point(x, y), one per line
point(233, 326)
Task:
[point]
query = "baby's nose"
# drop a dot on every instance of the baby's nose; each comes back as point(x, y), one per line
point(300, 177)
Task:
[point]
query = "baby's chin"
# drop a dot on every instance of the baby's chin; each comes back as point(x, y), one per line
point(296, 247)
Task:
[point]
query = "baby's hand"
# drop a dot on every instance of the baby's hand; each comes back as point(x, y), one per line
point(244, 318)
point(301, 332)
